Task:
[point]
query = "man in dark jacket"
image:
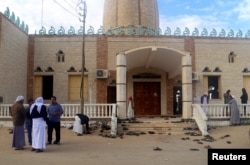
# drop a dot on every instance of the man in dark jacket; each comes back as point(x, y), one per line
point(18, 114)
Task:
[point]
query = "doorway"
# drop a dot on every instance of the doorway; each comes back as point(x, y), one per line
point(111, 99)
point(111, 94)
point(147, 98)
point(177, 100)
point(47, 89)
point(43, 86)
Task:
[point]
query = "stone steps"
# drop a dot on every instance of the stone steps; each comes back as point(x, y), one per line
point(159, 125)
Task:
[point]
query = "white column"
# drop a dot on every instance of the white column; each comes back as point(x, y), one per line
point(186, 87)
point(121, 95)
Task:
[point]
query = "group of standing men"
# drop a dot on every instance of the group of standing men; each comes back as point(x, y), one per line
point(233, 105)
point(37, 115)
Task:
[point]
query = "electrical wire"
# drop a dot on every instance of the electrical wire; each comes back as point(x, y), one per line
point(42, 15)
point(70, 4)
point(66, 9)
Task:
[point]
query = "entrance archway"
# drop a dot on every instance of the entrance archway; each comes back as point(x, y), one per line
point(171, 61)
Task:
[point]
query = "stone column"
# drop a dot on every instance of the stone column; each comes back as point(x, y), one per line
point(186, 87)
point(121, 95)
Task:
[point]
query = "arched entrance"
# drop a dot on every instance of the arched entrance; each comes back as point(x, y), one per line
point(170, 64)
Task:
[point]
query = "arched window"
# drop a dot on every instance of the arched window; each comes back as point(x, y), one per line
point(60, 56)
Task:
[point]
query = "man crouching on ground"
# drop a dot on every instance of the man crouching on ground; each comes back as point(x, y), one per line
point(81, 120)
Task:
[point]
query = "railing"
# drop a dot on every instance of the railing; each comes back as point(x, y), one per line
point(221, 111)
point(70, 110)
point(201, 118)
point(217, 115)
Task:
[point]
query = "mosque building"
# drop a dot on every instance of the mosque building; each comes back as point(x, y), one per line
point(129, 57)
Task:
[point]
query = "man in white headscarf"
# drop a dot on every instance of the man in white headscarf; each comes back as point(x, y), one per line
point(18, 115)
point(204, 102)
point(38, 114)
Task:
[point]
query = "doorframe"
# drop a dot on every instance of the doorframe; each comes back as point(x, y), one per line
point(162, 80)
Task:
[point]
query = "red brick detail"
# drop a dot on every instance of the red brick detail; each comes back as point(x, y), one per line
point(102, 52)
point(190, 47)
point(102, 63)
point(30, 67)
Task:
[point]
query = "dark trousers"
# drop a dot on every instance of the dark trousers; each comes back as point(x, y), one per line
point(57, 127)
point(29, 132)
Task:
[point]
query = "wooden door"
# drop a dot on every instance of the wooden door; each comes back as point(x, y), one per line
point(37, 86)
point(75, 87)
point(111, 94)
point(147, 100)
point(246, 83)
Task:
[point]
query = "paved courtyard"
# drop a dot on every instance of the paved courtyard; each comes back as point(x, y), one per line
point(145, 149)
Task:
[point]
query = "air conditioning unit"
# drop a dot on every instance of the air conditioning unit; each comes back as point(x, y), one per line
point(195, 76)
point(102, 73)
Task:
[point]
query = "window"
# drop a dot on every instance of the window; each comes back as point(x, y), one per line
point(60, 56)
point(211, 84)
point(74, 87)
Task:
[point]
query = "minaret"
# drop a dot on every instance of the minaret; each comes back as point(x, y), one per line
point(123, 13)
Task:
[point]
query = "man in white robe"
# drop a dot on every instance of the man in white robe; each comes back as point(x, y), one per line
point(204, 102)
point(38, 114)
point(81, 120)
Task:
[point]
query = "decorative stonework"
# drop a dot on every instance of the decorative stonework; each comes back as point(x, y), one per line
point(130, 30)
point(16, 20)
point(147, 31)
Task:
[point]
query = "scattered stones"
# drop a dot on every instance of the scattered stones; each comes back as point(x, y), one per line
point(208, 147)
point(157, 149)
point(194, 149)
point(151, 132)
point(70, 127)
point(10, 131)
point(225, 136)
point(176, 121)
point(186, 138)
point(193, 134)
point(208, 138)
point(108, 135)
point(187, 128)
point(125, 128)
point(133, 133)
point(196, 140)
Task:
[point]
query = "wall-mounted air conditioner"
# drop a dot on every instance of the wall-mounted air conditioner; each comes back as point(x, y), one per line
point(195, 76)
point(102, 73)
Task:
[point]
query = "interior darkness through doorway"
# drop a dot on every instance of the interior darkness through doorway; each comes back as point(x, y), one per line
point(47, 89)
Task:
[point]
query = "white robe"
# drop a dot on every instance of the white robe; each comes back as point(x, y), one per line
point(38, 133)
point(130, 114)
point(205, 103)
point(77, 127)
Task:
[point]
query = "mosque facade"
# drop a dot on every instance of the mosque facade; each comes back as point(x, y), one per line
point(164, 74)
